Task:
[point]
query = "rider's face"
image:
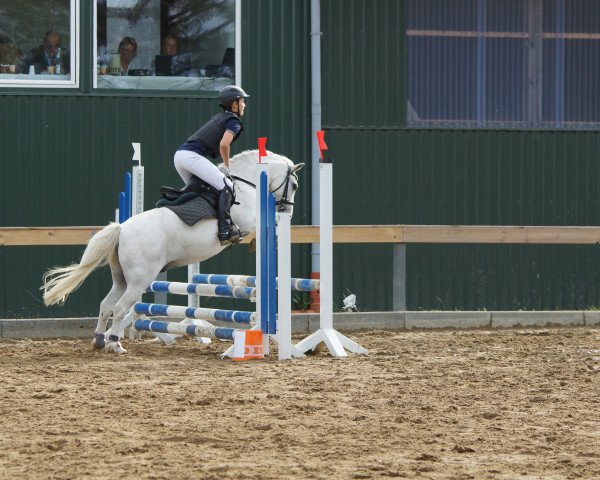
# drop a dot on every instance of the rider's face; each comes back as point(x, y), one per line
point(239, 106)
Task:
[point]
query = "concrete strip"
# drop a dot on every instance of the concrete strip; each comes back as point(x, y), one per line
point(348, 321)
point(300, 322)
point(48, 328)
point(536, 319)
point(591, 318)
point(447, 319)
point(303, 323)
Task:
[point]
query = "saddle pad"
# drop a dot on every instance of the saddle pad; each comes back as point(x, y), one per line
point(193, 211)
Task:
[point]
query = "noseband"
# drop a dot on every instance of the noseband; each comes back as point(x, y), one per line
point(285, 184)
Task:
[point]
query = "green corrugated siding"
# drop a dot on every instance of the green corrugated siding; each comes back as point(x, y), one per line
point(363, 63)
point(387, 174)
point(64, 155)
point(472, 178)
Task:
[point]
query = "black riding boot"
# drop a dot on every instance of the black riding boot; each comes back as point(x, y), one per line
point(228, 232)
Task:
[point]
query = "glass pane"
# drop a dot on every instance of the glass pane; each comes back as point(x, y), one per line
point(503, 63)
point(571, 67)
point(165, 44)
point(505, 86)
point(35, 41)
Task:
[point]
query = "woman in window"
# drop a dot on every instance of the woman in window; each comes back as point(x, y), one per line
point(127, 52)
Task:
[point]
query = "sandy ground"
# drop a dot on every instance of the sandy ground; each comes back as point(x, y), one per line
point(431, 404)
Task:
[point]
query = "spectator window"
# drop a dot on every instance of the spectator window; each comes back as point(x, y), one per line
point(165, 44)
point(503, 63)
point(39, 43)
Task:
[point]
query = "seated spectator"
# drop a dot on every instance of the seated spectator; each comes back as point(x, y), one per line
point(127, 52)
point(46, 55)
point(10, 55)
point(169, 48)
point(170, 45)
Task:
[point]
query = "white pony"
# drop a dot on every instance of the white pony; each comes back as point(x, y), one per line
point(156, 240)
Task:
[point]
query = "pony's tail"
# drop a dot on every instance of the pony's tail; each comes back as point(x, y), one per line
point(59, 282)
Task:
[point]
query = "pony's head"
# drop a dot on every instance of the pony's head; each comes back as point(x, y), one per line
point(283, 178)
point(283, 181)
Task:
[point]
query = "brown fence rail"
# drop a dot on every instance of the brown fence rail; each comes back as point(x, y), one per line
point(40, 236)
point(398, 235)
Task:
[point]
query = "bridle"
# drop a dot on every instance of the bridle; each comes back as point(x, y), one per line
point(285, 184)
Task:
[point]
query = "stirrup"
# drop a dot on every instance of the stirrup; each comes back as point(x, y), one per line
point(233, 236)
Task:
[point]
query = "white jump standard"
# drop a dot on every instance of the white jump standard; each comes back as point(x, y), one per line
point(334, 340)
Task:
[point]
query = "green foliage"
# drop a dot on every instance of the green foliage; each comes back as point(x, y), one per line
point(302, 300)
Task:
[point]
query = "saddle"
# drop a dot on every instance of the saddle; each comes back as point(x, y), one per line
point(194, 188)
point(194, 202)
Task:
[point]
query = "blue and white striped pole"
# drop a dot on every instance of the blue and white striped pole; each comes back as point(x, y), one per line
point(298, 284)
point(182, 288)
point(189, 330)
point(175, 311)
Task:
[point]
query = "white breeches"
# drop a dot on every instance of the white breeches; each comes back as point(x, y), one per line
point(189, 163)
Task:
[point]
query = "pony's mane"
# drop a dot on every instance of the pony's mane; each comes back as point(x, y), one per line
point(252, 155)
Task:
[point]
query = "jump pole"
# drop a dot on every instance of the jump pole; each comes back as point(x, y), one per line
point(334, 340)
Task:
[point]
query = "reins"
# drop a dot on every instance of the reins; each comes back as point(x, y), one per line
point(285, 184)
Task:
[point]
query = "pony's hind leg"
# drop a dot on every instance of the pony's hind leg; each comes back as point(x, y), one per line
point(106, 308)
point(121, 308)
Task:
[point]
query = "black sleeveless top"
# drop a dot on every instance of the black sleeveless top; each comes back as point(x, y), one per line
point(206, 140)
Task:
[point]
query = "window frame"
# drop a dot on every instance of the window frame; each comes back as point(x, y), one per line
point(74, 55)
point(163, 92)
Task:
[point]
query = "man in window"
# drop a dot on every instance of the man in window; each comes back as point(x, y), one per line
point(49, 54)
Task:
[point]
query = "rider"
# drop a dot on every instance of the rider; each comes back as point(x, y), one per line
point(216, 136)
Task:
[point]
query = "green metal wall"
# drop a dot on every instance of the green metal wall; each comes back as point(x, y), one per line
point(471, 178)
point(386, 173)
point(63, 155)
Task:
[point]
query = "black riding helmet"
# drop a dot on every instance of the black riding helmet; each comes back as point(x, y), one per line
point(230, 94)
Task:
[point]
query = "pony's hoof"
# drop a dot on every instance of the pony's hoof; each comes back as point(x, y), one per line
point(115, 347)
point(98, 342)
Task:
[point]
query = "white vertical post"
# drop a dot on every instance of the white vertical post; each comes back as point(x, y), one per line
point(137, 181)
point(193, 300)
point(137, 203)
point(284, 291)
point(137, 190)
point(326, 240)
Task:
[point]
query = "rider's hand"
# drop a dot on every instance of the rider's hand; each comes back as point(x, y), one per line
point(226, 171)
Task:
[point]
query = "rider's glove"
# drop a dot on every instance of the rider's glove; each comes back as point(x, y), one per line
point(226, 171)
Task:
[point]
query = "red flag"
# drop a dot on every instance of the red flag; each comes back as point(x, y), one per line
point(262, 151)
point(322, 144)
